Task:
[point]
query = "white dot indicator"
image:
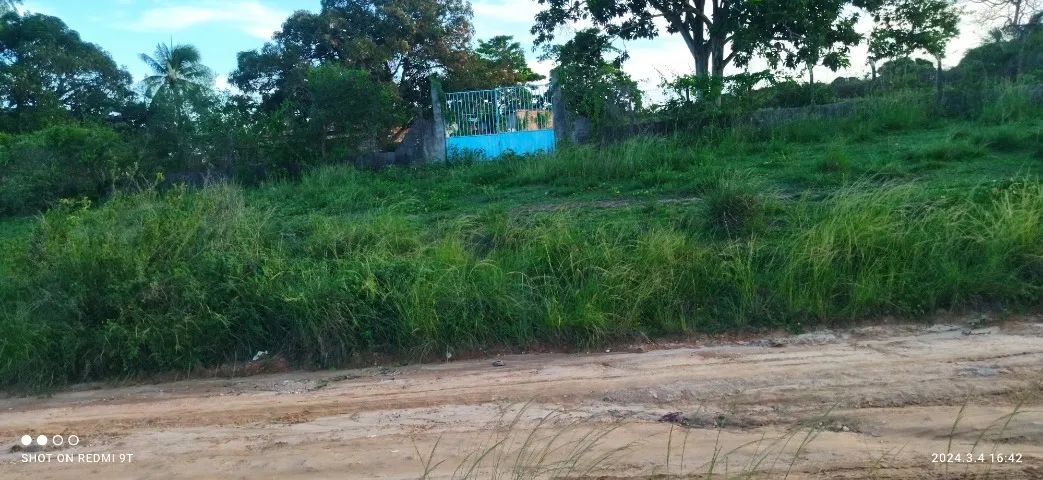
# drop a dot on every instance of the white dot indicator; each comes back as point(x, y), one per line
point(27, 440)
point(41, 440)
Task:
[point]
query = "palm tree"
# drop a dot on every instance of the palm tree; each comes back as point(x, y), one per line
point(177, 75)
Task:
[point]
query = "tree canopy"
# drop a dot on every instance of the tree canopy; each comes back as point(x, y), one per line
point(399, 41)
point(496, 62)
point(905, 27)
point(719, 33)
point(176, 73)
point(592, 84)
point(47, 74)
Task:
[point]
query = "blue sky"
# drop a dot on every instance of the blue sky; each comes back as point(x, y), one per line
point(222, 28)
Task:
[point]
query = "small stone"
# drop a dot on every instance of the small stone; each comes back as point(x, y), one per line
point(672, 417)
point(941, 328)
point(499, 363)
point(978, 331)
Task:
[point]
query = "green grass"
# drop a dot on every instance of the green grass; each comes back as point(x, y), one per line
point(898, 213)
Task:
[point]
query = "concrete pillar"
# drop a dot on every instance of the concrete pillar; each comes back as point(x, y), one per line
point(559, 115)
point(437, 137)
point(569, 128)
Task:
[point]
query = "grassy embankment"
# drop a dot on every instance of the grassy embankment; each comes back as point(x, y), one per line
point(891, 212)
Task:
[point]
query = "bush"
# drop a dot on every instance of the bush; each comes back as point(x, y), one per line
point(65, 161)
point(350, 111)
point(1013, 103)
point(836, 160)
point(184, 280)
point(789, 94)
point(733, 208)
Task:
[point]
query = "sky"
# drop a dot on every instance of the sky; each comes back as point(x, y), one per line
point(222, 28)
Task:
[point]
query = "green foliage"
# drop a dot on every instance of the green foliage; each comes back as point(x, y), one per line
point(789, 93)
point(371, 35)
point(591, 85)
point(8, 5)
point(497, 62)
point(734, 208)
point(719, 34)
point(905, 73)
point(837, 160)
point(589, 245)
point(1012, 104)
point(177, 75)
point(51, 76)
point(905, 27)
point(799, 35)
point(697, 100)
point(198, 279)
point(1014, 54)
point(944, 152)
point(349, 110)
point(67, 161)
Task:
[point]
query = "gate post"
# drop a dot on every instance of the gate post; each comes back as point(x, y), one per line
point(438, 150)
point(559, 116)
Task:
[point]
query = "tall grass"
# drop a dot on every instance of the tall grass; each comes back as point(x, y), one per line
point(348, 263)
point(181, 280)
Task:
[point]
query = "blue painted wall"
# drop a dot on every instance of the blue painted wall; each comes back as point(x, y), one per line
point(489, 147)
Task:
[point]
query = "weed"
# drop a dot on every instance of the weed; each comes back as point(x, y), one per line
point(734, 209)
point(836, 160)
point(944, 152)
point(648, 237)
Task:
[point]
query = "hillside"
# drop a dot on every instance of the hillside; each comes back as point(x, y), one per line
point(894, 211)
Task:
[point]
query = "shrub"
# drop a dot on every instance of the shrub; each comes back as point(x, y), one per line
point(943, 152)
point(181, 280)
point(350, 111)
point(1013, 103)
point(65, 161)
point(1008, 139)
point(733, 208)
point(836, 160)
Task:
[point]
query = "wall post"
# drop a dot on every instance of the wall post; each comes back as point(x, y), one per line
point(438, 153)
point(559, 116)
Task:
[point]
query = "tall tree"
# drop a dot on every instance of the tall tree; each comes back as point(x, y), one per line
point(177, 76)
point(807, 33)
point(717, 33)
point(505, 56)
point(1015, 18)
point(9, 5)
point(496, 62)
point(1005, 56)
point(594, 85)
point(1009, 13)
point(47, 73)
point(396, 41)
point(349, 111)
point(178, 95)
point(905, 27)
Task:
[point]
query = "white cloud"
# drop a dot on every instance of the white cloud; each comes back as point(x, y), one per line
point(507, 11)
point(251, 17)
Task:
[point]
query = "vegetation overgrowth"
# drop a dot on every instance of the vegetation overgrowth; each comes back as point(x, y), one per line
point(893, 211)
point(169, 225)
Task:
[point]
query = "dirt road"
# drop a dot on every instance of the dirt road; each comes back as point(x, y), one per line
point(872, 402)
